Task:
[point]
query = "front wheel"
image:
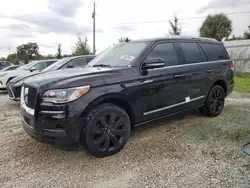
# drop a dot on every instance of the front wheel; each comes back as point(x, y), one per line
point(214, 103)
point(107, 130)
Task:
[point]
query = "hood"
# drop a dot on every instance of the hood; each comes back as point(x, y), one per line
point(15, 73)
point(4, 72)
point(24, 76)
point(73, 77)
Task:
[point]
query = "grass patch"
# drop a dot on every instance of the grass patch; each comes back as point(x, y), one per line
point(242, 82)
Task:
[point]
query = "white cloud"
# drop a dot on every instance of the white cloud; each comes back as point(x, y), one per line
point(49, 22)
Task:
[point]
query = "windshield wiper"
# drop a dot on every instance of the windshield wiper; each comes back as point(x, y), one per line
point(101, 65)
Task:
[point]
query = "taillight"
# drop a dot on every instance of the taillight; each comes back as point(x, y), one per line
point(232, 66)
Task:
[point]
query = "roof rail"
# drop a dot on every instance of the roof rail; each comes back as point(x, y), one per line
point(205, 38)
point(190, 37)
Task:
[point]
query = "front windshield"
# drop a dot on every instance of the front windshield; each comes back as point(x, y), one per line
point(27, 66)
point(56, 65)
point(119, 55)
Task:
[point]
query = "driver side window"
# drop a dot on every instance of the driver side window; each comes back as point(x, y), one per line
point(80, 62)
point(166, 51)
point(40, 66)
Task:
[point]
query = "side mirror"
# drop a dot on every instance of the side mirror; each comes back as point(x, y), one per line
point(32, 69)
point(153, 63)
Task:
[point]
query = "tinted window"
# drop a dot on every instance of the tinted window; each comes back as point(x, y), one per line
point(192, 53)
point(89, 59)
point(50, 63)
point(12, 68)
point(40, 66)
point(215, 52)
point(80, 62)
point(165, 51)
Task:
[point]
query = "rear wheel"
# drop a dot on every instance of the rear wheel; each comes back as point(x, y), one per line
point(107, 130)
point(215, 102)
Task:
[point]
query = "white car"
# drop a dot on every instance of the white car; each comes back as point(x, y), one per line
point(6, 76)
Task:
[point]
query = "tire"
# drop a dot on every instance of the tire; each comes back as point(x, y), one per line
point(106, 131)
point(214, 103)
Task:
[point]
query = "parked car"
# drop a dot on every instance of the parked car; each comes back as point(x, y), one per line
point(10, 68)
point(129, 84)
point(14, 86)
point(4, 64)
point(34, 66)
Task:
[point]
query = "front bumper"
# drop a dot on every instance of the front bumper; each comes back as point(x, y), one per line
point(14, 92)
point(52, 127)
point(3, 81)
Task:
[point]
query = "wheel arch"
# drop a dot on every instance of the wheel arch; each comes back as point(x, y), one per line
point(114, 98)
point(221, 83)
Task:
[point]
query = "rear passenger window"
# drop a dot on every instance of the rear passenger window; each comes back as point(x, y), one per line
point(165, 51)
point(215, 52)
point(192, 53)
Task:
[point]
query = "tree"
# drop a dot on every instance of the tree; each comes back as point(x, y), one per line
point(81, 47)
point(247, 33)
point(123, 39)
point(13, 58)
point(2, 59)
point(45, 57)
point(175, 26)
point(59, 52)
point(216, 26)
point(28, 52)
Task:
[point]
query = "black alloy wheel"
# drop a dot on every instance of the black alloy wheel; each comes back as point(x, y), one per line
point(107, 130)
point(215, 102)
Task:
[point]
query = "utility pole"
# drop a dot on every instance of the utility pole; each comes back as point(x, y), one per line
point(93, 16)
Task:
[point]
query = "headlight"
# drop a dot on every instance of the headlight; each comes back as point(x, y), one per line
point(2, 75)
point(65, 95)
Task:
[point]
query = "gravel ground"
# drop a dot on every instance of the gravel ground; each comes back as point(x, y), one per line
point(187, 150)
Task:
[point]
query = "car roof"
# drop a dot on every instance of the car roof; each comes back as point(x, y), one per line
point(176, 37)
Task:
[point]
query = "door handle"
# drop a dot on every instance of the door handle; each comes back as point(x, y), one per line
point(209, 70)
point(179, 75)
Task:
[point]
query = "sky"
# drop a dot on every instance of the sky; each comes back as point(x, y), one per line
point(50, 22)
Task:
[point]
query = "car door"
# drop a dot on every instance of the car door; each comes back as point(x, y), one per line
point(163, 89)
point(195, 68)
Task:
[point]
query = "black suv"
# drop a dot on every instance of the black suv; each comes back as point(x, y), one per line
point(126, 85)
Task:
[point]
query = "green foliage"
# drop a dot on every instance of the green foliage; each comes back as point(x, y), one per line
point(81, 47)
point(59, 52)
point(13, 58)
point(27, 52)
point(123, 39)
point(242, 82)
point(2, 59)
point(247, 33)
point(45, 57)
point(235, 38)
point(175, 26)
point(216, 26)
